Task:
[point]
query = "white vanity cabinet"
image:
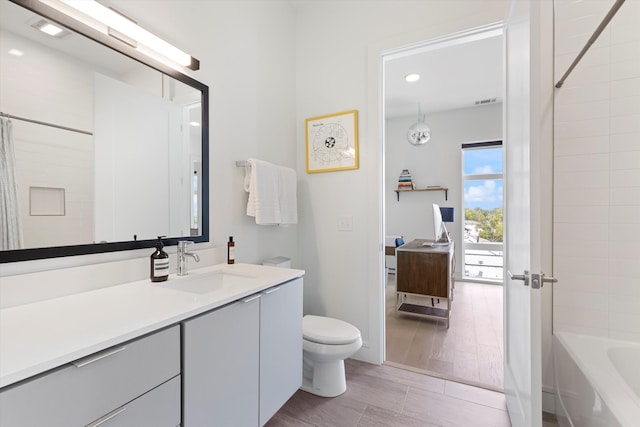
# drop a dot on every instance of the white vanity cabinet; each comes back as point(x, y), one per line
point(280, 346)
point(125, 385)
point(242, 362)
point(221, 360)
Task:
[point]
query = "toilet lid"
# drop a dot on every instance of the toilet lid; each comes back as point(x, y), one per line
point(325, 330)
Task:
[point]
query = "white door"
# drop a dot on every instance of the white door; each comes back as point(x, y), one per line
point(525, 138)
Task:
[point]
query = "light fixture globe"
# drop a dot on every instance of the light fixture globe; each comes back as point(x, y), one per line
point(419, 133)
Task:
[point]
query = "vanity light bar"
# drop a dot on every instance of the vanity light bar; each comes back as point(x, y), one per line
point(119, 23)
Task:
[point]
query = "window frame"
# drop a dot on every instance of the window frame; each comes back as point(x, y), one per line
point(491, 246)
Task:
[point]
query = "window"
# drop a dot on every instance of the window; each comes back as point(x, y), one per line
point(483, 210)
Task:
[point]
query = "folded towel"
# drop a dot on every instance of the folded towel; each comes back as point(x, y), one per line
point(272, 193)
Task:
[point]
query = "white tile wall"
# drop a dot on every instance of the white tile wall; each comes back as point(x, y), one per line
point(597, 172)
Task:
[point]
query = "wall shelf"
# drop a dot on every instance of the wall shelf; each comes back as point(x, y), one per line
point(446, 191)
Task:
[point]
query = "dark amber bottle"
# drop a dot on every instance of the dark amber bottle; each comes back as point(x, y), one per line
point(159, 263)
point(231, 251)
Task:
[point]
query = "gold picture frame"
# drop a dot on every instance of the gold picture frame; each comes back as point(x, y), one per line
point(332, 142)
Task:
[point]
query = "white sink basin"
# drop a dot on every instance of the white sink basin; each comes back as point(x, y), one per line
point(204, 283)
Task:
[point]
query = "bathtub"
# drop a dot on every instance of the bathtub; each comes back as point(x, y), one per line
point(597, 381)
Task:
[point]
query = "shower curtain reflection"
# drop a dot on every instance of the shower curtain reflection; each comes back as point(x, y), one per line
point(10, 227)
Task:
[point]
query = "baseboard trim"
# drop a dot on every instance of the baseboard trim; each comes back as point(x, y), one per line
point(548, 400)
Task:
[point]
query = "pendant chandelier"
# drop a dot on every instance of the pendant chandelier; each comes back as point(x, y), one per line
point(419, 133)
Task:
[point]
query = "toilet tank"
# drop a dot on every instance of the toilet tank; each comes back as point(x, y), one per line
point(279, 261)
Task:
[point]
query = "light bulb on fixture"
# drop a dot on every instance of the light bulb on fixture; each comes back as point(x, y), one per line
point(413, 77)
point(419, 133)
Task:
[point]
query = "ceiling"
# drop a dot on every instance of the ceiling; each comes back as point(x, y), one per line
point(454, 75)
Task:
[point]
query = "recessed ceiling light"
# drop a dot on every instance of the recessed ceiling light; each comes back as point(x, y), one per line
point(194, 124)
point(16, 52)
point(50, 29)
point(412, 77)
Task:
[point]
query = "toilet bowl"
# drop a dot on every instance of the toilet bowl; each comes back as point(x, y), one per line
point(326, 343)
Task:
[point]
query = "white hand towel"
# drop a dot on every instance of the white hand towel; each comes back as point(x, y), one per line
point(272, 193)
point(263, 203)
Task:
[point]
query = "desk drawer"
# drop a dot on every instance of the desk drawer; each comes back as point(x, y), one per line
point(82, 391)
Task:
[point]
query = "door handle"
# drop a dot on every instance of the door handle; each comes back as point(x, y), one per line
point(95, 357)
point(524, 277)
point(538, 280)
point(107, 417)
point(271, 290)
point(250, 298)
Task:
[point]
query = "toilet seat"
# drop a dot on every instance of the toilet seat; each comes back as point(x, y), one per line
point(325, 330)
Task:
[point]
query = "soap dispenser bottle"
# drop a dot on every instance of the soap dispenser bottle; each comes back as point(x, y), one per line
point(159, 263)
point(231, 251)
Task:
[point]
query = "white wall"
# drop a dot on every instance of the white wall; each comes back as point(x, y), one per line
point(597, 173)
point(439, 162)
point(338, 63)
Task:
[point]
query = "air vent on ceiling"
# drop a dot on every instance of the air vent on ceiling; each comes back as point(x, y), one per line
point(486, 101)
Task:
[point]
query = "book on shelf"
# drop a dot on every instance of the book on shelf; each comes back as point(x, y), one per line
point(404, 181)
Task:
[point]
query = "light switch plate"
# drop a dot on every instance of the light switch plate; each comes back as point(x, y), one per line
point(345, 223)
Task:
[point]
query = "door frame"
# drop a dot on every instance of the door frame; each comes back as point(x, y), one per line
point(377, 59)
point(376, 196)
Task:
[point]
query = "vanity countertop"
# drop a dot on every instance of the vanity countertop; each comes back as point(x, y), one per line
point(46, 334)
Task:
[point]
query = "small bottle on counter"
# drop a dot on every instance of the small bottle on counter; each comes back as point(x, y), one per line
point(159, 263)
point(231, 251)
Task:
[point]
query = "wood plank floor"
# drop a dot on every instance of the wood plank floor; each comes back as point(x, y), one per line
point(470, 350)
point(389, 396)
point(386, 396)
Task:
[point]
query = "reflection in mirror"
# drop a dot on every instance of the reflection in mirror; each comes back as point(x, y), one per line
point(125, 142)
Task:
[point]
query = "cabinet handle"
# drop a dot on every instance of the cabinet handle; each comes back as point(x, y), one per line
point(107, 417)
point(271, 290)
point(94, 358)
point(251, 298)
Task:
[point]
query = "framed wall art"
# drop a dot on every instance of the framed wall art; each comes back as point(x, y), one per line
point(332, 142)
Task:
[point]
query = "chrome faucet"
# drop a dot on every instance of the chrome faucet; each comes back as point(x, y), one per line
point(182, 257)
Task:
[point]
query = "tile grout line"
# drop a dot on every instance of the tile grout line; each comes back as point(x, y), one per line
point(471, 401)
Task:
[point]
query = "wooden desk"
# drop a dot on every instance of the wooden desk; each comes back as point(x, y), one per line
point(424, 271)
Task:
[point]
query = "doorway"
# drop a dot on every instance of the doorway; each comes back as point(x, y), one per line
point(459, 100)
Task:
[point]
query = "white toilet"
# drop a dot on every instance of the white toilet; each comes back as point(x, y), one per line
point(326, 343)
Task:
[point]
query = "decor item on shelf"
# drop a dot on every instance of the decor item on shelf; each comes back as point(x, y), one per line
point(404, 181)
point(419, 133)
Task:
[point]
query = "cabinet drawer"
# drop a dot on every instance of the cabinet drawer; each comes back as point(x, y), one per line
point(158, 408)
point(80, 392)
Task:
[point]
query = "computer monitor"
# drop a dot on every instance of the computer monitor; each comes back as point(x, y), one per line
point(439, 229)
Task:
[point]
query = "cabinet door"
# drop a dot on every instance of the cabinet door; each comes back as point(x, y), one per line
point(280, 346)
point(220, 366)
